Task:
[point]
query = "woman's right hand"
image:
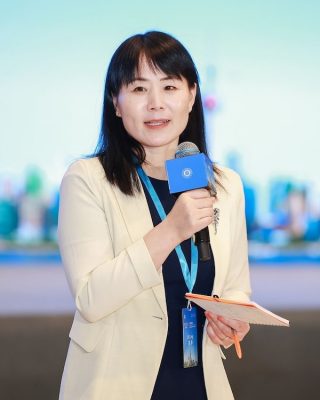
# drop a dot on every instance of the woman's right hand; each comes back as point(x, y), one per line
point(192, 212)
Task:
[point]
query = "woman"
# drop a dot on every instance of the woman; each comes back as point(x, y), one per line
point(121, 258)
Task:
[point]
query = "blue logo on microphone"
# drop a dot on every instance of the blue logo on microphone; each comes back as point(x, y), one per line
point(187, 173)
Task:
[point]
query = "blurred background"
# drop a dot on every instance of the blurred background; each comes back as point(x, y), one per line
point(259, 68)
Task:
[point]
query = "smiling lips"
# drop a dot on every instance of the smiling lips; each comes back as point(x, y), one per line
point(157, 123)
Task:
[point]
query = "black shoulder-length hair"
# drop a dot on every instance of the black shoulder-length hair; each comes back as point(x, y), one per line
point(119, 152)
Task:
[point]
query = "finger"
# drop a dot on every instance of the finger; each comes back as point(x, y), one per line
point(205, 203)
point(198, 193)
point(222, 334)
point(216, 339)
point(239, 327)
point(221, 329)
point(202, 224)
point(205, 213)
point(213, 336)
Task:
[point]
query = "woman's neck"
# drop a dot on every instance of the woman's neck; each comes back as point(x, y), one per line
point(154, 165)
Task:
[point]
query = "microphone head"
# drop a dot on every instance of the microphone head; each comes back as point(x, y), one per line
point(186, 149)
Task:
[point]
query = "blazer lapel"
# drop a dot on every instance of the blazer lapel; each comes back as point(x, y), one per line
point(219, 240)
point(138, 220)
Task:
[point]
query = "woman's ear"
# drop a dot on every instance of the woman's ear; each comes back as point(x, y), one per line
point(115, 104)
point(193, 93)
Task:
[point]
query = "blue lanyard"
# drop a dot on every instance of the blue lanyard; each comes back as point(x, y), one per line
point(189, 277)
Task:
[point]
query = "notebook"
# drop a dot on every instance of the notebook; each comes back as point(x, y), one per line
point(250, 312)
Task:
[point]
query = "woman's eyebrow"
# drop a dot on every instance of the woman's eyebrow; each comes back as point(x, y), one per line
point(171, 78)
point(139, 78)
point(165, 78)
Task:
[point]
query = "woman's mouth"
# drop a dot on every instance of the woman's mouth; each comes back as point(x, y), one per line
point(157, 123)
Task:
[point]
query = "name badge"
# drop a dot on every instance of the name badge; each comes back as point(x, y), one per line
point(190, 339)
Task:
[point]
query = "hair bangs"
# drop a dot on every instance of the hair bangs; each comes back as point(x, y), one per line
point(168, 57)
point(159, 51)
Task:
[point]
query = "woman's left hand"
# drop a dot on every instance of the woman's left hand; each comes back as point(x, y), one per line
point(221, 330)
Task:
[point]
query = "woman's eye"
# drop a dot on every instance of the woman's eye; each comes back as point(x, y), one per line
point(139, 89)
point(170, 87)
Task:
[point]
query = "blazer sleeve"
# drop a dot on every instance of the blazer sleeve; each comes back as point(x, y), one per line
point(237, 284)
point(100, 282)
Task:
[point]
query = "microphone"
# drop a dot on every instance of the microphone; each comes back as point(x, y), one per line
point(192, 170)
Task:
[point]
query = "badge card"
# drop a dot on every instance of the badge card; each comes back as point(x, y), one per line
point(190, 339)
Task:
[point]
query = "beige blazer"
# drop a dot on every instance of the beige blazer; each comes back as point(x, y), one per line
point(120, 326)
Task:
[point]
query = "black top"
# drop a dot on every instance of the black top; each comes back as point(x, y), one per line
point(174, 381)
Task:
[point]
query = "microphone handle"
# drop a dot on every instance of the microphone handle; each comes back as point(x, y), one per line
point(202, 241)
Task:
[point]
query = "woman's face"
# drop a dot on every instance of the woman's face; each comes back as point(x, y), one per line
point(155, 107)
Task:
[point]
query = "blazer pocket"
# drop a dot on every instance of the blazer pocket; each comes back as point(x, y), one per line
point(87, 334)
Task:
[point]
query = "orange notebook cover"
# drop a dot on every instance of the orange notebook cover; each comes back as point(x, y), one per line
point(250, 312)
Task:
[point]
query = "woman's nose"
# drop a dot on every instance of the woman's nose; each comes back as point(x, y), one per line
point(155, 100)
